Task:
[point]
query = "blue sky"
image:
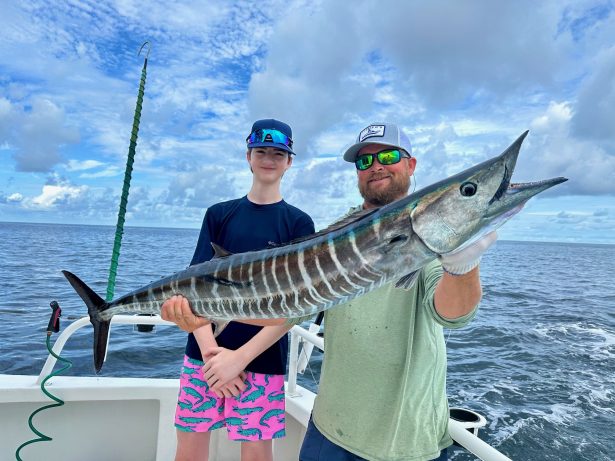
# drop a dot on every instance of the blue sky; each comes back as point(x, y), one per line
point(464, 79)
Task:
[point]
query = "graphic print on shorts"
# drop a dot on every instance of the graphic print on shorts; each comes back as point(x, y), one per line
point(256, 414)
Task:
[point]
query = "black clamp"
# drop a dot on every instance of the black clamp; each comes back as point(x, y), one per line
point(54, 320)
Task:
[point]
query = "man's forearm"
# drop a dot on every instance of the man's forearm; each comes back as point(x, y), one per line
point(457, 295)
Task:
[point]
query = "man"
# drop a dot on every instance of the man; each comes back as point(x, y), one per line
point(382, 392)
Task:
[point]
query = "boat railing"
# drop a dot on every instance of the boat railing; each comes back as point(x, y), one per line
point(85, 321)
point(463, 431)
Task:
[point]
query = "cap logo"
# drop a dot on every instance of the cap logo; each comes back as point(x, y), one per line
point(371, 132)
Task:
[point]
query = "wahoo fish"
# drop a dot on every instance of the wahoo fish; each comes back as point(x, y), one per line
point(358, 254)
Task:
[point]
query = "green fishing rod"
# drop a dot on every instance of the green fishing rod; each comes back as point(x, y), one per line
point(54, 322)
point(119, 229)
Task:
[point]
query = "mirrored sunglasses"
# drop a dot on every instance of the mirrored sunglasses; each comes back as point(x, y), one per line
point(273, 136)
point(385, 157)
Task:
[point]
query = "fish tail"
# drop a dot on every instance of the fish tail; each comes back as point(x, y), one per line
point(95, 306)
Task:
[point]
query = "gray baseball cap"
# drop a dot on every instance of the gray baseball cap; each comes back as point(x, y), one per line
point(387, 134)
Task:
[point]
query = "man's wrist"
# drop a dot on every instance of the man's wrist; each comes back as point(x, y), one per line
point(460, 269)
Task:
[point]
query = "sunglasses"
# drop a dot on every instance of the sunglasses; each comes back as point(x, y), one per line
point(385, 157)
point(273, 136)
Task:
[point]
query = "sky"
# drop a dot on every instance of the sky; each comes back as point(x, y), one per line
point(463, 79)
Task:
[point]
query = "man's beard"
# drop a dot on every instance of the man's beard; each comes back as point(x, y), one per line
point(397, 188)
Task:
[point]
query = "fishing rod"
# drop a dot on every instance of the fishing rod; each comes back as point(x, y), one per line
point(54, 321)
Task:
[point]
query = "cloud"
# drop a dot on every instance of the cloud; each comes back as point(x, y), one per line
point(36, 133)
point(6, 110)
point(106, 173)
point(56, 195)
point(330, 183)
point(453, 52)
point(15, 197)
point(80, 165)
point(555, 151)
point(201, 187)
point(595, 108)
point(367, 57)
point(463, 80)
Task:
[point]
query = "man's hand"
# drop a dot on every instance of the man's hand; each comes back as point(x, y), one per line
point(459, 262)
point(177, 309)
point(221, 366)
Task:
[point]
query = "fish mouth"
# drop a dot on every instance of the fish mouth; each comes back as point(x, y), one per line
point(509, 158)
point(527, 190)
point(503, 185)
point(509, 198)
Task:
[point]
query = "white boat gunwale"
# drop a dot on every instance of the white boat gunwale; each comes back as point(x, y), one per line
point(16, 389)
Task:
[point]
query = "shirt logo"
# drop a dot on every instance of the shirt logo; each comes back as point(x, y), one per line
point(371, 131)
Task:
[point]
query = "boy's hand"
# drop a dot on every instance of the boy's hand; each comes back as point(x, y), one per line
point(177, 309)
point(233, 388)
point(221, 366)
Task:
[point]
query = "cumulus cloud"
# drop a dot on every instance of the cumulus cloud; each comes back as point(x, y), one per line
point(15, 197)
point(105, 173)
point(201, 187)
point(553, 150)
point(80, 165)
point(463, 80)
point(36, 133)
point(437, 55)
point(57, 192)
point(325, 189)
point(595, 108)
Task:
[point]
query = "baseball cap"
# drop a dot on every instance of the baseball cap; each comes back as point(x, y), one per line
point(387, 134)
point(271, 133)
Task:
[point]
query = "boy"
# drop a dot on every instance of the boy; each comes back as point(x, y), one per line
point(241, 385)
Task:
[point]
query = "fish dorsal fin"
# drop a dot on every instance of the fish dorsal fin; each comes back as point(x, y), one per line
point(408, 280)
point(348, 219)
point(343, 222)
point(219, 252)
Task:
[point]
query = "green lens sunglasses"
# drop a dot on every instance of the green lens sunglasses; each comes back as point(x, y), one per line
point(385, 157)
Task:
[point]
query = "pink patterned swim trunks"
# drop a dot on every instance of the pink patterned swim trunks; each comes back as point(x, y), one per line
point(256, 414)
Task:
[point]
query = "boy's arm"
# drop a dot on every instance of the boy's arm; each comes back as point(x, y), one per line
point(205, 338)
point(235, 384)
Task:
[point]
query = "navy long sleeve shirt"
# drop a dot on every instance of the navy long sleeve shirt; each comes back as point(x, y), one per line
point(239, 226)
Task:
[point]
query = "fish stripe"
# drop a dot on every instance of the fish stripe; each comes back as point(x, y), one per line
point(341, 269)
point(307, 280)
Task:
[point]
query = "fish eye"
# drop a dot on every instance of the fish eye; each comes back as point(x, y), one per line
point(468, 189)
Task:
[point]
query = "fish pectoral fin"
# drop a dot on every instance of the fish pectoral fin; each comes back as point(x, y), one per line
point(219, 326)
point(219, 252)
point(407, 281)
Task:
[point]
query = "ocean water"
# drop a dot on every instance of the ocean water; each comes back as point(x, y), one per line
point(538, 361)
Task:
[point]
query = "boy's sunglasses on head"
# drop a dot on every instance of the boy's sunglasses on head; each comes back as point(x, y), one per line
point(273, 136)
point(385, 157)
